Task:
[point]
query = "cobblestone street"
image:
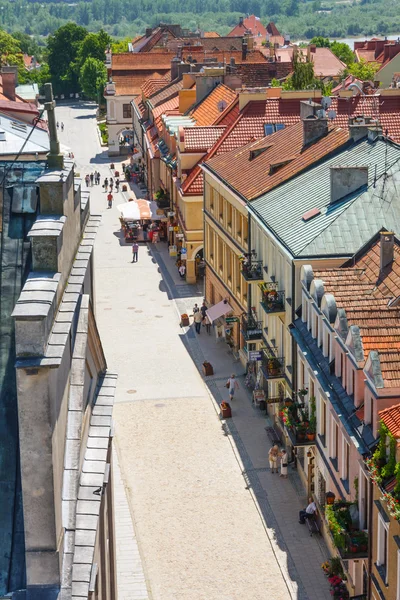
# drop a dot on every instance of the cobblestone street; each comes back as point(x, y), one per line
point(198, 514)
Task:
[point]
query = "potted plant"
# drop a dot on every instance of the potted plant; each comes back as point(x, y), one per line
point(300, 432)
point(312, 427)
point(112, 166)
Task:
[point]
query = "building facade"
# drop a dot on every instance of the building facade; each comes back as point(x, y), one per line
point(64, 396)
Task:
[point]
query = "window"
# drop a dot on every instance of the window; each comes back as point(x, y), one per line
point(382, 558)
point(229, 215)
point(270, 128)
point(323, 419)
point(345, 461)
point(126, 111)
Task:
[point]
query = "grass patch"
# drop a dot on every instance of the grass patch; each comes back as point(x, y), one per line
point(103, 132)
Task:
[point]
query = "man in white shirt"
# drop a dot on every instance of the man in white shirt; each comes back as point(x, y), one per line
point(308, 512)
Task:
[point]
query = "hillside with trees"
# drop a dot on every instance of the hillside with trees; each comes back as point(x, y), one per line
point(121, 18)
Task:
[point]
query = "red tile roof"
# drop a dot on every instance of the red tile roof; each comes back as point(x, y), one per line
point(211, 34)
point(272, 160)
point(201, 139)
point(193, 184)
point(253, 56)
point(391, 418)
point(211, 107)
point(139, 61)
point(252, 24)
point(364, 292)
point(130, 84)
point(161, 109)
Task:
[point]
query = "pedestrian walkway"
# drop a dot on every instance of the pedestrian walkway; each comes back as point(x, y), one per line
point(279, 501)
point(130, 576)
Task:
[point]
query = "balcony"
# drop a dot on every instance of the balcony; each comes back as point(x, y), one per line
point(252, 271)
point(352, 543)
point(251, 329)
point(272, 367)
point(299, 425)
point(272, 299)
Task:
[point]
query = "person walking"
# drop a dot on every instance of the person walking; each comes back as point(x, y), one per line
point(144, 229)
point(110, 200)
point(58, 125)
point(117, 184)
point(91, 179)
point(195, 309)
point(182, 270)
point(135, 251)
point(62, 126)
point(87, 179)
point(105, 184)
point(284, 463)
point(98, 178)
point(207, 323)
point(273, 458)
point(203, 310)
point(232, 385)
point(197, 321)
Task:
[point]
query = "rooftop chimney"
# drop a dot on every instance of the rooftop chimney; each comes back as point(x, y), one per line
point(9, 78)
point(387, 249)
point(175, 62)
point(314, 128)
point(240, 20)
point(244, 49)
point(346, 180)
point(308, 108)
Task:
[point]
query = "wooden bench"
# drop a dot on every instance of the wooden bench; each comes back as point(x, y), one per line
point(312, 524)
point(273, 435)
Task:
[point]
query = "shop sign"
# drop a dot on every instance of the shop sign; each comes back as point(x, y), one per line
point(255, 355)
point(179, 236)
point(183, 257)
point(176, 228)
point(232, 319)
point(170, 228)
point(171, 213)
point(183, 250)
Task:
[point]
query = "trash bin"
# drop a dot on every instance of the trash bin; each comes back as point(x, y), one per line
point(226, 411)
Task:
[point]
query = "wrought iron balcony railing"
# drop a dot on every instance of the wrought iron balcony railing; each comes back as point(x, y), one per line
point(273, 301)
point(272, 367)
point(251, 329)
point(252, 270)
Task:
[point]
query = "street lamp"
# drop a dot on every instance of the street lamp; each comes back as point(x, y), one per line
point(330, 498)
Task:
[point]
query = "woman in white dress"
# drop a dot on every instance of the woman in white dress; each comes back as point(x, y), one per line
point(284, 463)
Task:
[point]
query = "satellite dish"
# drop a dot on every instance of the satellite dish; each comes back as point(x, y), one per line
point(332, 114)
point(321, 114)
point(326, 102)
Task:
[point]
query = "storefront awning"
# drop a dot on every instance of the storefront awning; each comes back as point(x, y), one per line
point(218, 310)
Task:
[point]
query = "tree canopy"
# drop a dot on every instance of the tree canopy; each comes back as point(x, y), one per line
point(93, 76)
point(63, 49)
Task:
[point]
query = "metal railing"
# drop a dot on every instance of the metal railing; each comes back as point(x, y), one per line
point(273, 301)
point(251, 329)
point(252, 270)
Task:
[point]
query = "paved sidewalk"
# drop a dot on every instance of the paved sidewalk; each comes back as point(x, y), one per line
point(130, 577)
point(299, 555)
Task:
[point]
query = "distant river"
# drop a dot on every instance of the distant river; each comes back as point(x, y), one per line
point(350, 41)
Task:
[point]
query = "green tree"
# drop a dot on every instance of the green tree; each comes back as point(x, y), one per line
point(8, 44)
point(93, 77)
point(363, 70)
point(320, 41)
point(94, 45)
point(302, 77)
point(120, 46)
point(343, 52)
point(63, 49)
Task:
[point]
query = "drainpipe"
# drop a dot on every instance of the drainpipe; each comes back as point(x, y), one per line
point(249, 299)
point(294, 345)
point(370, 521)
